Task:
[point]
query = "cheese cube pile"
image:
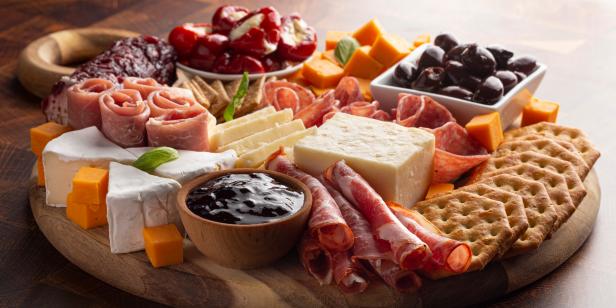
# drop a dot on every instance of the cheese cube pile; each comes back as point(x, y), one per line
point(85, 205)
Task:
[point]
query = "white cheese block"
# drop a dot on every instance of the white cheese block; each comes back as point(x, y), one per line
point(63, 156)
point(264, 137)
point(396, 160)
point(191, 164)
point(259, 113)
point(135, 200)
point(227, 135)
point(256, 157)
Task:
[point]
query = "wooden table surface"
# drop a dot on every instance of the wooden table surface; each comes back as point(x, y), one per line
point(576, 39)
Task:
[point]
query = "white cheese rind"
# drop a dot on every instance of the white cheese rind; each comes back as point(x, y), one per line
point(63, 156)
point(136, 200)
point(396, 160)
point(256, 157)
point(229, 134)
point(261, 138)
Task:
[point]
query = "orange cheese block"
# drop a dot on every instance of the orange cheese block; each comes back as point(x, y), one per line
point(362, 65)
point(487, 130)
point(42, 134)
point(87, 216)
point(163, 245)
point(332, 38)
point(389, 49)
point(539, 111)
point(329, 55)
point(319, 91)
point(421, 39)
point(298, 78)
point(439, 188)
point(40, 173)
point(322, 73)
point(364, 85)
point(90, 185)
point(367, 34)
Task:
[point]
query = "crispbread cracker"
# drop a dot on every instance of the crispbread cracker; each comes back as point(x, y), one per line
point(554, 183)
point(538, 207)
point(253, 98)
point(545, 146)
point(198, 93)
point(573, 135)
point(476, 220)
point(562, 167)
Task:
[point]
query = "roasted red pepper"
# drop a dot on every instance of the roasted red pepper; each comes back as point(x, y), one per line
point(273, 62)
point(226, 17)
point(298, 41)
point(257, 33)
point(237, 64)
point(184, 37)
point(206, 50)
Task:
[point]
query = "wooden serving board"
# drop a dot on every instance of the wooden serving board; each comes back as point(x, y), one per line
point(200, 282)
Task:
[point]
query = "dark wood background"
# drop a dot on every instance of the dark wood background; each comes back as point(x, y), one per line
point(576, 39)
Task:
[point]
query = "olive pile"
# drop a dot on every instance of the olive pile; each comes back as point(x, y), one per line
point(465, 71)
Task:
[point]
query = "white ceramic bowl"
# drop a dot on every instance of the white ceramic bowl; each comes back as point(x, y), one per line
point(510, 106)
point(229, 77)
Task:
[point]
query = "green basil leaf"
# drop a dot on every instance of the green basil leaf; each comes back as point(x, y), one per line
point(153, 158)
point(237, 98)
point(345, 49)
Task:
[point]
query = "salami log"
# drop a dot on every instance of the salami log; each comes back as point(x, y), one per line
point(83, 106)
point(162, 102)
point(421, 111)
point(182, 129)
point(124, 114)
point(317, 261)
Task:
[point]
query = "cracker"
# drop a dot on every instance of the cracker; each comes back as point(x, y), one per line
point(573, 135)
point(253, 98)
point(198, 93)
point(538, 207)
point(562, 167)
point(554, 183)
point(476, 220)
point(544, 146)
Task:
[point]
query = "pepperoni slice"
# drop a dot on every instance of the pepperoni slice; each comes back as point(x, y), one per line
point(286, 98)
point(305, 96)
point(421, 111)
point(456, 152)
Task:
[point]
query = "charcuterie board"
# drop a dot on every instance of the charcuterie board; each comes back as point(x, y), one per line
point(201, 282)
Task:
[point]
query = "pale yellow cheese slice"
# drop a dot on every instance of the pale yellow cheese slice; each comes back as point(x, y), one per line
point(264, 137)
point(254, 158)
point(224, 136)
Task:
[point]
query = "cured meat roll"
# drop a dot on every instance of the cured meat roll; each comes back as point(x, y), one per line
point(349, 275)
point(348, 91)
point(421, 111)
point(83, 106)
point(124, 115)
point(163, 102)
point(313, 114)
point(408, 250)
point(317, 260)
point(304, 96)
point(182, 129)
point(145, 86)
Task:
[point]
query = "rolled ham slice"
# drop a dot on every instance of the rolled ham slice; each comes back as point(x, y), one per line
point(181, 129)
point(326, 223)
point(421, 111)
point(82, 102)
point(317, 260)
point(145, 86)
point(165, 101)
point(408, 250)
point(349, 275)
point(124, 115)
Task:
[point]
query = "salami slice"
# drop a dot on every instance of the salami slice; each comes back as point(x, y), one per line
point(286, 98)
point(145, 86)
point(313, 114)
point(421, 111)
point(362, 109)
point(162, 102)
point(317, 261)
point(305, 95)
point(123, 117)
point(348, 91)
point(182, 129)
point(399, 279)
point(381, 115)
point(82, 102)
point(349, 275)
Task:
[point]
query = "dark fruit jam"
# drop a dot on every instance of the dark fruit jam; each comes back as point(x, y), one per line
point(244, 199)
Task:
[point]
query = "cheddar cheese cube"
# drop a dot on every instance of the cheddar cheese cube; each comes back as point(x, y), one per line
point(389, 49)
point(86, 215)
point(298, 78)
point(320, 91)
point(487, 129)
point(329, 55)
point(332, 38)
point(40, 172)
point(539, 111)
point(322, 73)
point(42, 134)
point(163, 245)
point(362, 65)
point(421, 39)
point(438, 188)
point(364, 86)
point(367, 34)
point(90, 185)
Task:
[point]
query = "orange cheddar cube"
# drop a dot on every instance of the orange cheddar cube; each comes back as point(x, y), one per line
point(487, 129)
point(40, 173)
point(90, 185)
point(439, 188)
point(329, 55)
point(539, 111)
point(367, 34)
point(319, 91)
point(364, 85)
point(362, 65)
point(163, 245)
point(421, 39)
point(332, 38)
point(322, 73)
point(389, 49)
point(42, 134)
point(87, 216)
point(298, 78)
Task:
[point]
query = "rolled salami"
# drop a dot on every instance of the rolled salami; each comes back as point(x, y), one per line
point(182, 129)
point(82, 102)
point(123, 115)
point(162, 102)
point(317, 260)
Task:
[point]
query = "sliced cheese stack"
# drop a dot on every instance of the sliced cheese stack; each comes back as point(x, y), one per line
point(256, 136)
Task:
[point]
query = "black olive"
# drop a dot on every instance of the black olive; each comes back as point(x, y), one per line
point(455, 71)
point(446, 41)
point(432, 56)
point(430, 79)
point(470, 82)
point(456, 91)
point(489, 92)
point(501, 55)
point(404, 74)
point(520, 76)
point(478, 61)
point(508, 78)
point(456, 52)
point(524, 64)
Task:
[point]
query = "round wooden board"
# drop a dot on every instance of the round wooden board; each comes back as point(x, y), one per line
point(200, 282)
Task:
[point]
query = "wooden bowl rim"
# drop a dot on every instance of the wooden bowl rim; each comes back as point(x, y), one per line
point(288, 180)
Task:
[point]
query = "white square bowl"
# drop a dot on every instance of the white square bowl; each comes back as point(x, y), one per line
point(385, 90)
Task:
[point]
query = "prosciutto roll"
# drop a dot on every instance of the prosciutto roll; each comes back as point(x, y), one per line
point(408, 250)
point(162, 102)
point(317, 260)
point(326, 223)
point(182, 129)
point(145, 86)
point(82, 102)
point(124, 115)
point(348, 274)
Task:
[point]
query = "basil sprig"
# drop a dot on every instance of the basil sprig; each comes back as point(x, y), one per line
point(153, 158)
point(345, 49)
point(237, 98)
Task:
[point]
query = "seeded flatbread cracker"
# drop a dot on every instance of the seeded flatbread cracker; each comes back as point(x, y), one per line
point(198, 93)
point(544, 146)
point(573, 135)
point(253, 98)
point(538, 207)
point(476, 220)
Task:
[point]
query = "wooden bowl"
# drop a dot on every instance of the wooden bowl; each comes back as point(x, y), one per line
point(244, 246)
